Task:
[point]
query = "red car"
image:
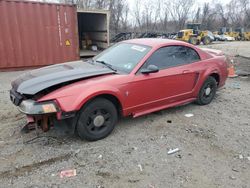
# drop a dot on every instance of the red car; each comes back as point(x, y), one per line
point(131, 78)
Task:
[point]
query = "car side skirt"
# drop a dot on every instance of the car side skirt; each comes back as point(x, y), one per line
point(178, 103)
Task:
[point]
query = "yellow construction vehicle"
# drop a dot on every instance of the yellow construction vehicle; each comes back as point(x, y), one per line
point(246, 36)
point(233, 34)
point(194, 35)
point(242, 34)
point(229, 32)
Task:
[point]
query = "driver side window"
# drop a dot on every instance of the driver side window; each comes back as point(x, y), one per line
point(172, 56)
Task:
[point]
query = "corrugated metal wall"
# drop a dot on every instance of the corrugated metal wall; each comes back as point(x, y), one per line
point(37, 34)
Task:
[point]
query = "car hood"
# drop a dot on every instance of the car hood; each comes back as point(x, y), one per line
point(37, 80)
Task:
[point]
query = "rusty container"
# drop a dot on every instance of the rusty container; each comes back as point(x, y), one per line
point(34, 34)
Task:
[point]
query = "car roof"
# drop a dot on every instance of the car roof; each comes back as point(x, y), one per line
point(156, 42)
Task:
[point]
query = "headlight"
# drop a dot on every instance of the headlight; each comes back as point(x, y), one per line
point(34, 108)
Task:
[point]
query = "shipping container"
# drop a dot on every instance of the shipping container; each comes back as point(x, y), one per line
point(34, 34)
point(93, 29)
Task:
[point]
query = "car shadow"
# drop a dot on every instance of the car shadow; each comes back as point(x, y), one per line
point(58, 136)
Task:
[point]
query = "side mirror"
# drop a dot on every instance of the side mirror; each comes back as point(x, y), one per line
point(150, 69)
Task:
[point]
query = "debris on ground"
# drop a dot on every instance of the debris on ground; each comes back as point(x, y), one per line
point(179, 156)
point(100, 157)
point(172, 151)
point(68, 173)
point(133, 181)
point(235, 170)
point(134, 148)
point(140, 167)
point(235, 85)
point(99, 186)
point(232, 177)
point(77, 151)
point(241, 157)
point(189, 115)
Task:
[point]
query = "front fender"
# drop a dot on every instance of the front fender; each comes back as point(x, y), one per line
point(77, 98)
point(90, 94)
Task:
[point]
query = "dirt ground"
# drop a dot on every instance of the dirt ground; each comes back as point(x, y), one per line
point(235, 48)
point(214, 146)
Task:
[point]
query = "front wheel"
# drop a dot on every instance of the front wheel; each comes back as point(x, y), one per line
point(206, 40)
point(97, 120)
point(207, 91)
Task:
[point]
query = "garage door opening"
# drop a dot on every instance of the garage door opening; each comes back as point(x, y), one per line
point(93, 32)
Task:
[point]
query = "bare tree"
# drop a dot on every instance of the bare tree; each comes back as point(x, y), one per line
point(220, 9)
point(179, 11)
point(117, 9)
point(197, 15)
point(169, 15)
point(137, 13)
point(246, 7)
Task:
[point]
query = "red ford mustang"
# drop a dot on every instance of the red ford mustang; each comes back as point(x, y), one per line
point(134, 77)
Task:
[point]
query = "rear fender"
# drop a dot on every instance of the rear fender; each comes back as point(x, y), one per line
point(203, 77)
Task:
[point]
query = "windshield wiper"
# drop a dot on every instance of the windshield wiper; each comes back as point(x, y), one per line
point(107, 65)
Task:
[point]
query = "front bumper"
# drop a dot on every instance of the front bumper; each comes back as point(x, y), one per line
point(44, 114)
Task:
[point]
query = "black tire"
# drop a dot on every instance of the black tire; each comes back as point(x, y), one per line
point(97, 120)
point(193, 40)
point(207, 91)
point(206, 40)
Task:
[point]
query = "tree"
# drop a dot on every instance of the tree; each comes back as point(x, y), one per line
point(179, 11)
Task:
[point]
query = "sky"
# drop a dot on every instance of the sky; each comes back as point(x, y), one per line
point(198, 2)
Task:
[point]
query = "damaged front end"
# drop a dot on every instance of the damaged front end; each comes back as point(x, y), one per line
point(39, 113)
point(43, 115)
point(31, 86)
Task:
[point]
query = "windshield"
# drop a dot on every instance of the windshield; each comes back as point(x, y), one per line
point(123, 56)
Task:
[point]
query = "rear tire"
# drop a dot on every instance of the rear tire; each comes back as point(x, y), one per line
point(207, 91)
point(97, 120)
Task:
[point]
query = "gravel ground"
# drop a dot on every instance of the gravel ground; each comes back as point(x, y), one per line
point(214, 147)
point(233, 48)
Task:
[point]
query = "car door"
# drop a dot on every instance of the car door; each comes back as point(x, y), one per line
point(174, 81)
